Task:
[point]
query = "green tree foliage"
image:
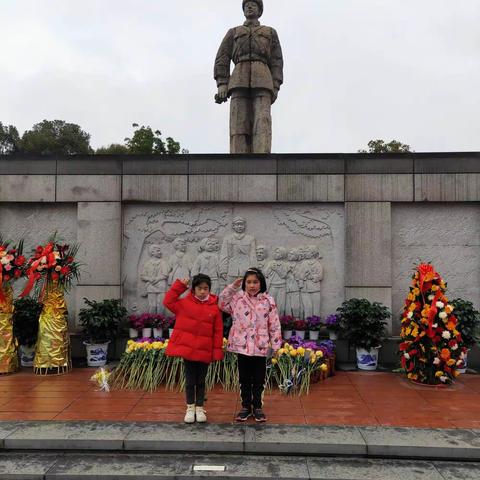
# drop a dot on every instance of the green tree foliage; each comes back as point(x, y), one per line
point(9, 139)
point(112, 149)
point(145, 141)
point(380, 146)
point(56, 137)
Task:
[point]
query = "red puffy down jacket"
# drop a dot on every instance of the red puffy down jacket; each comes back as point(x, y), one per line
point(198, 332)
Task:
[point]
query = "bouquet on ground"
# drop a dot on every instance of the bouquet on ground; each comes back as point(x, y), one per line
point(144, 366)
point(292, 367)
point(52, 265)
point(432, 347)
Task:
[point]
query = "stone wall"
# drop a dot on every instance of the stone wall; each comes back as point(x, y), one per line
point(372, 217)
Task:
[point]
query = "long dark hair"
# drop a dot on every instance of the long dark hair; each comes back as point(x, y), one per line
point(261, 277)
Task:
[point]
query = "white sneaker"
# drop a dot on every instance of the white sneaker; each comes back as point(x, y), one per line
point(190, 414)
point(200, 414)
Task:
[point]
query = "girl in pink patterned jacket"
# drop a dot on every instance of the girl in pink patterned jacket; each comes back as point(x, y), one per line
point(254, 334)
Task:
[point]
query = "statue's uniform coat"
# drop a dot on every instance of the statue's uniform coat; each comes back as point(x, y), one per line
point(253, 85)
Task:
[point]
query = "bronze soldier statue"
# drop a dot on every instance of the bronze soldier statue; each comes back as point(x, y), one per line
point(254, 83)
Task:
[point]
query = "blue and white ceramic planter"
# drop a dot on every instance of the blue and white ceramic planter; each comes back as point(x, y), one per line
point(97, 354)
point(27, 355)
point(367, 359)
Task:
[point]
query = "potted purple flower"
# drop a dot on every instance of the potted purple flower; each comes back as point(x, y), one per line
point(314, 324)
point(158, 322)
point(135, 324)
point(287, 323)
point(332, 322)
point(300, 328)
point(147, 319)
point(170, 324)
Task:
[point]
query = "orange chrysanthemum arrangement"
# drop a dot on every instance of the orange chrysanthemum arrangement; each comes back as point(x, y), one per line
point(432, 347)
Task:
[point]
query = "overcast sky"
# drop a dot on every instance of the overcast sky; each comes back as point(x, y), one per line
point(354, 70)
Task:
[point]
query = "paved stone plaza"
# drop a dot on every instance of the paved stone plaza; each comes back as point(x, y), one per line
point(370, 399)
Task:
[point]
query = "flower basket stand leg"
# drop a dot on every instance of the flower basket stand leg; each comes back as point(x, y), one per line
point(52, 353)
point(8, 344)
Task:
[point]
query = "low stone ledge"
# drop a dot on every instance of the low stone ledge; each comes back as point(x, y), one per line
point(6, 429)
point(68, 436)
point(422, 443)
point(186, 438)
point(26, 466)
point(305, 440)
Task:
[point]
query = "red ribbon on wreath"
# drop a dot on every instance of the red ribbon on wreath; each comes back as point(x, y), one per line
point(32, 272)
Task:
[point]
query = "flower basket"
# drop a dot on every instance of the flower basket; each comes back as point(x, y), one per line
point(12, 264)
point(52, 270)
point(8, 343)
point(52, 353)
point(432, 347)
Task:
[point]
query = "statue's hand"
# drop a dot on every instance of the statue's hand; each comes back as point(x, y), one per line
point(222, 94)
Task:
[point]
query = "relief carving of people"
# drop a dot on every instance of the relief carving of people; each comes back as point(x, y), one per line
point(155, 274)
point(293, 303)
point(207, 262)
point(312, 274)
point(238, 252)
point(276, 272)
point(180, 262)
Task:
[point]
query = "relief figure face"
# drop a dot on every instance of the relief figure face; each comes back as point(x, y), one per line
point(180, 245)
point(155, 251)
point(213, 245)
point(292, 256)
point(279, 253)
point(261, 254)
point(239, 226)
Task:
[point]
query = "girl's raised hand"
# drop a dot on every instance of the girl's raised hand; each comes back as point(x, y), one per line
point(238, 282)
point(185, 281)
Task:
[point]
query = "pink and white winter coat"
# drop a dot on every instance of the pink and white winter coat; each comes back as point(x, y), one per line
point(255, 323)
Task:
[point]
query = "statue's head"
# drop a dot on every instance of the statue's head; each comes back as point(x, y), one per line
point(261, 253)
point(293, 255)
point(252, 9)
point(180, 244)
point(155, 250)
point(314, 251)
point(239, 225)
point(279, 253)
point(212, 245)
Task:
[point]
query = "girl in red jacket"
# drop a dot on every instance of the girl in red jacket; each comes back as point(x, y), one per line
point(197, 337)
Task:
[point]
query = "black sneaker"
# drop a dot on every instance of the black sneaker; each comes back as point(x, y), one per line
point(259, 415)
point(243, 415)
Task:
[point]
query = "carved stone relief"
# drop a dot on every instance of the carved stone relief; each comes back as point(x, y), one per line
point(300, 249)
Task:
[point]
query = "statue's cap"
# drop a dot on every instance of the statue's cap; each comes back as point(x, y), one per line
point(258, 2)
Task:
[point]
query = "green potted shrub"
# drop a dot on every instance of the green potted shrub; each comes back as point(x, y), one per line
point(468, 325)
point(100, 322)
point(363, 325)
point(25, 328)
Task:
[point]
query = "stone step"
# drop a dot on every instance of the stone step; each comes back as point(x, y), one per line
point(304, 440)
point(118, 466)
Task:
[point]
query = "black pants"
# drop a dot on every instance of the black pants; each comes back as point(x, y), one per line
point(251, 372)
point(195, 374)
